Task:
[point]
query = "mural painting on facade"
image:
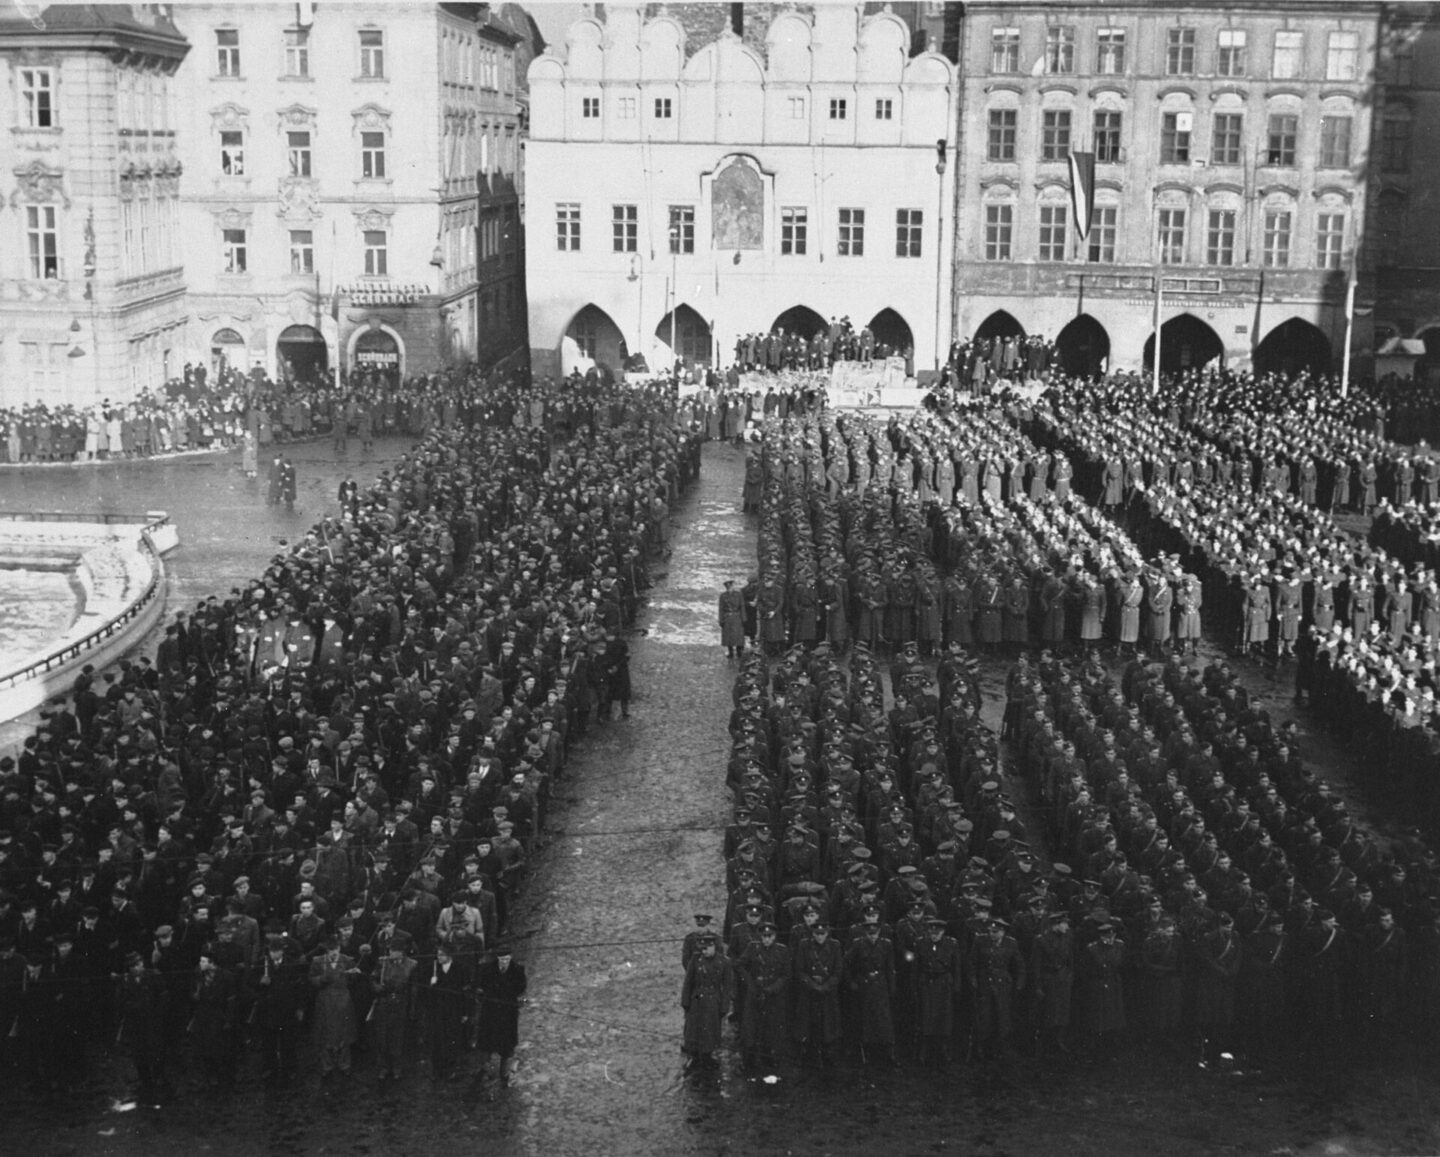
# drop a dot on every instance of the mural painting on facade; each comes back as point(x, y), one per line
point(738, 207)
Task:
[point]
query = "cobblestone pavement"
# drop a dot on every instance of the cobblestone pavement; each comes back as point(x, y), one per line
point(633, 849)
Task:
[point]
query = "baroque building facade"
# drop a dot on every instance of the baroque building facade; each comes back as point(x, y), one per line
point(91, 267)
point(333, 156)
point(681, 195)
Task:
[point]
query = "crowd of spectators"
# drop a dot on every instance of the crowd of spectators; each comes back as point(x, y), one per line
point(305, 819)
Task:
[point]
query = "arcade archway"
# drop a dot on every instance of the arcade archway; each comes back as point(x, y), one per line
point(691, 335)
point(592, 338)
point(892, 333)
point(1293, 346)
point(1083, 347)
point(999, 325)
point(1187, 343)
point(301, 354)
point(800, 319)
point(376, 349)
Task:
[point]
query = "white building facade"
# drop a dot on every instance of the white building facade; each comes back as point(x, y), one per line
point(679, 197)
point(330, 155)
point(91, 279)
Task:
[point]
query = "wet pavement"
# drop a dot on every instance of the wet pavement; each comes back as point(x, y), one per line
point(633, 849)
point(227, 532)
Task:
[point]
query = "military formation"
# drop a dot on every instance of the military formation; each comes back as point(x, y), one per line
point(1188, 880)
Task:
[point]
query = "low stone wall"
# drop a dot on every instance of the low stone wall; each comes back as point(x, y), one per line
point(122, 579)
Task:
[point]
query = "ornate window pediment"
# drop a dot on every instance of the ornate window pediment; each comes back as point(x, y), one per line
point(38, 183)
point(297, 116)
point(373, 218)
point(232, 218)
point(371, 117)
point(230, 116)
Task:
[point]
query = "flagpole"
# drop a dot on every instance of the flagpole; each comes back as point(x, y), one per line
point(1159, 310)
point(1349, 329)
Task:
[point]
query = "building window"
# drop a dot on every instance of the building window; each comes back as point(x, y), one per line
point(590, 107)
point(999, 232)
point(1280, 139)
point(884, 109)
point(37, 97)
point(1107, 138)
point(908, 227)
point(1329, 240)
point(1395, 145)
point(1389, 228)
point(852, 233)
point(377, 253)
point(1103, 222)
point(625, 228)
point(1225, 142)
point(232, 152)
point(1110, 51)
point(1060, 48)
point(297, 52)
point(1400, 62)
point(567, 227)
point(1220, 238)
point(1053, 221)
point(794, 227)
point(232, 251)
point(839, 108)
point(1230, 54)
point(662, 108)
point(797, 107)
point(1180, 52)
point(1175, 138)
point(1005, 50)
point(43, 239)
point(1277, 239)
point(1002, 134)
point(1342, 56)
point(302, 251)
point(1172, 236)
point(682, 228)
point(372, 53)
point(298, 153)
point(626, 111)
point(1289, 49)
point(227, 52)
point(1055, 134)
point(1335, 142)
point(372, 155)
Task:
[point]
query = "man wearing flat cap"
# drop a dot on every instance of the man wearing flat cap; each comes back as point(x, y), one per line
point(281, 995)
point(141, 1007)
point(335, 1026)
point(391, 981)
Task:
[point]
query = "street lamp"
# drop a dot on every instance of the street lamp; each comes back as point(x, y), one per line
point(674, 256)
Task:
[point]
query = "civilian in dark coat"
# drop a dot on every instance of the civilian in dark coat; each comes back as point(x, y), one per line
point(448, 1005)
point(502, 992)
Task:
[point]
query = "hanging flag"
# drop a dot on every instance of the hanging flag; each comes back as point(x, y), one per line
point(1082, 190)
